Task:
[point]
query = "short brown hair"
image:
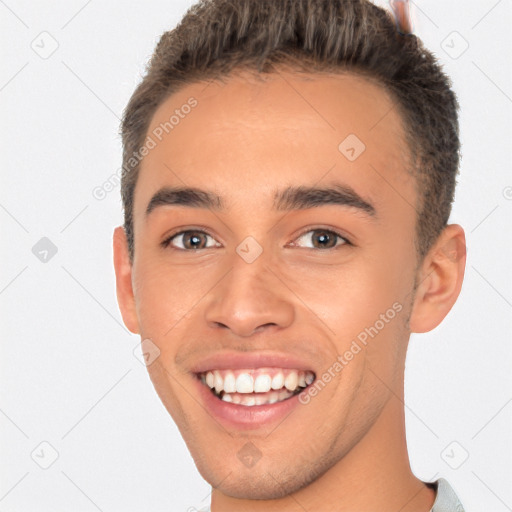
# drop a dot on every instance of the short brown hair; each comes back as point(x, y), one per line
point(217, 37)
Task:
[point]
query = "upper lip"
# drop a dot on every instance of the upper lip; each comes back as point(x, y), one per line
point(247, 360)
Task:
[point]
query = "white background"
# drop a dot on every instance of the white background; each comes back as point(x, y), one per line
point(69, 376)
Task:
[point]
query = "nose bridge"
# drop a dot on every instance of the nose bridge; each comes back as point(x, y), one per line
point(250, 295)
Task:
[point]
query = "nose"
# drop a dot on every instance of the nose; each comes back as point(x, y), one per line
point(249, 299)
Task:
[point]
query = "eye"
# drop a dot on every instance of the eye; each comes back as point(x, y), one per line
point(190, 239)
point(323, 239)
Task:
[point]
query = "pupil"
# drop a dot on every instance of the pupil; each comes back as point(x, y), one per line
point(194, 240)
point(324, 238)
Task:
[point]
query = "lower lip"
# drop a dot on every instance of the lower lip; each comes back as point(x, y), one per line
point(244, 416)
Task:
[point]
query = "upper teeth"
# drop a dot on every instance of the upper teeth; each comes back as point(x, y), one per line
point(257, 380)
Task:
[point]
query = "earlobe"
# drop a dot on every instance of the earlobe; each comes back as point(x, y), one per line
point(439, 280)
point(124, 289)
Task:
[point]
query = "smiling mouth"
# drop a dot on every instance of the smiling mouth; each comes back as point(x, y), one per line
point(256, 386)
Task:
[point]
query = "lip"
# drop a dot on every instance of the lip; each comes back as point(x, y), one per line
point(242, 417)
point(247, 360)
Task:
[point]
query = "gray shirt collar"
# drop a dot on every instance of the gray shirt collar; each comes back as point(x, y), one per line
point(446, 499)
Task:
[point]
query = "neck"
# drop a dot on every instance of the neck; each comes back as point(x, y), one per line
point(374, 475)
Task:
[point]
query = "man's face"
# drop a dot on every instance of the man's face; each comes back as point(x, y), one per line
point(292, 296)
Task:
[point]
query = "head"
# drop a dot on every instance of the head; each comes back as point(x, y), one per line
point(315, 149)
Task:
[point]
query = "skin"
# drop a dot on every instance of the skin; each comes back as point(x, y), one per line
point(345, 450)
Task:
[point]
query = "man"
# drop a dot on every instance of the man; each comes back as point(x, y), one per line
point(289, 169)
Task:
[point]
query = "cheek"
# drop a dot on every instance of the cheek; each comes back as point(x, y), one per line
point(360, 308)
point(346, 298)
point(163, 296)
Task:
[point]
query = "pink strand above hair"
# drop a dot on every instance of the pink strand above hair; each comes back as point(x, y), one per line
point(402, 15)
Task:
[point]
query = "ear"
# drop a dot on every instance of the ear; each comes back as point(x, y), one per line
point(123, 269)
point(440, 280)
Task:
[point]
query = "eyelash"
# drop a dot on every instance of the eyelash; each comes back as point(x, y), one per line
point(165, 244)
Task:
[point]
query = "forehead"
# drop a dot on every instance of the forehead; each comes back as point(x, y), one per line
point(247, 135)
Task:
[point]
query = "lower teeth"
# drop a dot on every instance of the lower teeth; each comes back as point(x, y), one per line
point(250, 399)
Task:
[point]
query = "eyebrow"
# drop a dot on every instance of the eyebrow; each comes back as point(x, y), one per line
point(290, 198)
point(303, 197)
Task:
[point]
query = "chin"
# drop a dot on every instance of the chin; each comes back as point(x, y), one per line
point(262, 482)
